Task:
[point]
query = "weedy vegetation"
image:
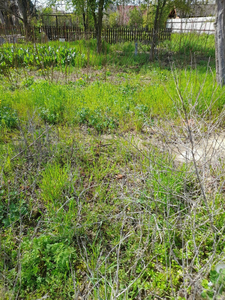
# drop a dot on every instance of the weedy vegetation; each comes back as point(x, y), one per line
point(111, 171)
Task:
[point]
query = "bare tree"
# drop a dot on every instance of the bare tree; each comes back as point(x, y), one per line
point(220, 41)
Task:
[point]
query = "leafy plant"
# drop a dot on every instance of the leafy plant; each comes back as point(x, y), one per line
point(12, 208)
point(27, 82)
point(216, 286)
point(97, 119)
point(52, 113)
point(42, 56)
point(46, 262)
point(8, 117)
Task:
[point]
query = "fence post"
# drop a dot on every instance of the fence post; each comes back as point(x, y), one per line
point(136, 49)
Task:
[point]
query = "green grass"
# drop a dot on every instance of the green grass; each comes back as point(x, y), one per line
point(124, 101)
point(101, 105)
point(84, 210)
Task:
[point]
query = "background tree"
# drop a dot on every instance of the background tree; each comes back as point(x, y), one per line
point(136, 17)
point(23, 10)
point(81, 9)
point(27, 10)
point(93, 8)
point(97, 8)
point(8, 12)
point(161, 11)
point(46, 16)
point(113, 19)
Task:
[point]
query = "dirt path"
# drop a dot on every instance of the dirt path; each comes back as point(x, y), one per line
point(206, 148)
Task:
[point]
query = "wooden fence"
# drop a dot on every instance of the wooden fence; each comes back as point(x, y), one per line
point(114, 35)
point(72, 33)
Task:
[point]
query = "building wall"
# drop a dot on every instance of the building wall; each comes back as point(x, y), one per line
point(185, 25)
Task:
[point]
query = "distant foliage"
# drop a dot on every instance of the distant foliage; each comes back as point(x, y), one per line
point(136, 18)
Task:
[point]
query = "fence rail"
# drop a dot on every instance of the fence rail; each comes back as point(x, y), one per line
point(72, 33)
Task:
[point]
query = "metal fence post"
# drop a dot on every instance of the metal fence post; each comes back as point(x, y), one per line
point(136, 49)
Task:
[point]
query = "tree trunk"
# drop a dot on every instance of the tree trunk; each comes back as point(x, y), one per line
point(155, 33)
point(220, 41)
point(157, 25)
point(99, 26)
point(84, 22)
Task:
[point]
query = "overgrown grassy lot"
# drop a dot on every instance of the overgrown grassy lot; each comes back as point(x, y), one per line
point(94, 203)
